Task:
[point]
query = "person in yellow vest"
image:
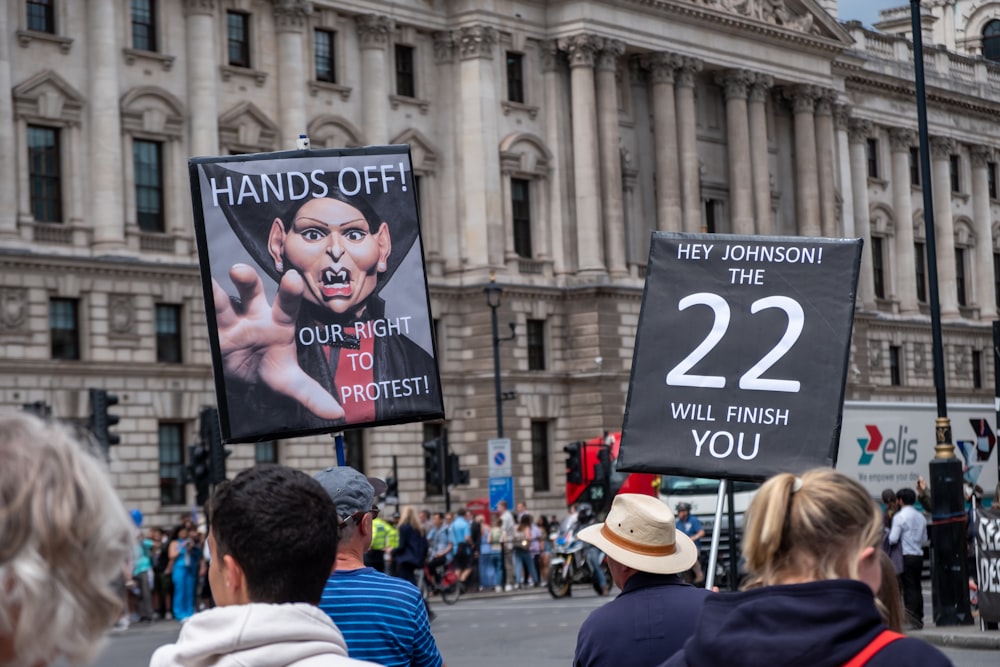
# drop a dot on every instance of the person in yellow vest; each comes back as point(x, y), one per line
point(375, 556)
point(391, 543)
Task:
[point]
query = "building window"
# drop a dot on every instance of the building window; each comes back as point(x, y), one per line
point(920, 262)
point(42, 16)
point(977, 369)
point(148, 158)
point(991, 179)
point(326, 64)
point(712, 215)
point(956, 180)
point(520, 205)
point(64, 328)
point(144, 25)
point(540, 455)
point(991, 41)
point(515, 77)
point(168, 333)
point(960, 276)
point(172, 464)
point(871, 152)
point(405, 82)
point(996, 278)
point(878, 266)
point(354, 449)
point(431, 431)
point(914, 165)
point(895, 372)
point(44, 173)
point(238, 34)
point(536, 345)
point(265, 452)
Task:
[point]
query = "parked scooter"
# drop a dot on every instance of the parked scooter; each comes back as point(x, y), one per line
point(569, 566)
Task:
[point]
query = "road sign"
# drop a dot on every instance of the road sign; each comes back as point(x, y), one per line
point(498, 450)
point(501, 488)
point(740, 356)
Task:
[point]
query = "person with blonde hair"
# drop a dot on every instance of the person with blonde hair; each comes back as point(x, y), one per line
point(812, 547)
point(64, 538)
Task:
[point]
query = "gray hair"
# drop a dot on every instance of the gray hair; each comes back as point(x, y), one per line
point(64, 536)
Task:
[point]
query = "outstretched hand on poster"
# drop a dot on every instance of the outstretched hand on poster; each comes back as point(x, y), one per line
point(258, 343)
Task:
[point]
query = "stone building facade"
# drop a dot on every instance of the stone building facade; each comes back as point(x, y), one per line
point(550, 139)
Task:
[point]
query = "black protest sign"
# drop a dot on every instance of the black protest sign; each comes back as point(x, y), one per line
point(316, 296)
point(740, 355)
point(988, 563)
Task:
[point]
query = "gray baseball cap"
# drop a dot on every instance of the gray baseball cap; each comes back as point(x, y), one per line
point(351, 491)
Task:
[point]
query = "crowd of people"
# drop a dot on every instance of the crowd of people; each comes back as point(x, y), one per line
point(287, 571)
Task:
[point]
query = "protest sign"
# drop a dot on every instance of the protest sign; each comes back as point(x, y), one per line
point(316, 297)
point(740, 355)
point(988, 563)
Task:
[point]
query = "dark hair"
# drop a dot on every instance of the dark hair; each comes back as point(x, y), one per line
point(280, 525)
point(888, 496)
point(907, 496)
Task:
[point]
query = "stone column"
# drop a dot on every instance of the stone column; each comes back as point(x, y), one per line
point(480, 207)
point(106, 210)
point(611, 159)
point(687, 144)
point(735, 83)
point(841, 117)
point(291, 18)
point(858, 132)
point(662, 67)
point(555, 110)
point(944, 231)
point(581, 50)
point(806, 170)
point(202, 76)
point(900, 141)
point(760, 160)
point(825, 161)
point(373, 36)
point(8, 143)
point(985, 287)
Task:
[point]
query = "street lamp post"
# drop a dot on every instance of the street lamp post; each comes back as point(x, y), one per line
point(493, 292)
point(949, 579)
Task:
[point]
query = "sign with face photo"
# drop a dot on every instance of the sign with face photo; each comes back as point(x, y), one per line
point(316, 296)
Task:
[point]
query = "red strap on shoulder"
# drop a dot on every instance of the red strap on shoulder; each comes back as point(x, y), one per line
point(881, 640)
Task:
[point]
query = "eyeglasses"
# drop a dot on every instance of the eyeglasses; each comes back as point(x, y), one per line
point(358, 517)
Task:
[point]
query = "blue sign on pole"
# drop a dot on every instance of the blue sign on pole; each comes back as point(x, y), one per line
point(501, 488)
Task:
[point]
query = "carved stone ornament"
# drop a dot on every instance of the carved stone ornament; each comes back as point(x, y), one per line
point(735, 82)
point(581, 49)
point(292, 15)
point(477, 41)
point(121, 314)
point(662, 66)
point(858, 130)
point(373, 30)
point(775, 12)
point(980, 155)
point(444, 46)
point(942, 148)
point(761, 87)
point(199, 7)
point(901, 139)
point(13, 308)
point(549, 50)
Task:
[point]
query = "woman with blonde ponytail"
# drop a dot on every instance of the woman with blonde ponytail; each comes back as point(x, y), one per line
point(812, 549)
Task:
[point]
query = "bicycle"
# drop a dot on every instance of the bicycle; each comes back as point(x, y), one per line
point(446, 583)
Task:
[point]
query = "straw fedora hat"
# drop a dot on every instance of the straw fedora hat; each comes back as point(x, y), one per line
point(640, 532)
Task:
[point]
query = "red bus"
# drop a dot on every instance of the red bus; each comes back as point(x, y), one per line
point(591, 476)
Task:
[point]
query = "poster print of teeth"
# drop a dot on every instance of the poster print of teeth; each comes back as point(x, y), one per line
point(315, 289)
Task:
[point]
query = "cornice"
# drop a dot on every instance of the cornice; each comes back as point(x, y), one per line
point(129, 268)
point(863, 82)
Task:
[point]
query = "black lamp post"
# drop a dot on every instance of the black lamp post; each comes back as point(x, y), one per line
point(949, 578)
point(493, 292)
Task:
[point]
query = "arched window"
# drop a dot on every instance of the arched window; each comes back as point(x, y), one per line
point(991, 41)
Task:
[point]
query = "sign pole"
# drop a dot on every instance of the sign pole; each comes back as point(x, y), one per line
point(713, 554)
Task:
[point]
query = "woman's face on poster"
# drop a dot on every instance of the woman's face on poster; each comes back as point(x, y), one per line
point(331, 245)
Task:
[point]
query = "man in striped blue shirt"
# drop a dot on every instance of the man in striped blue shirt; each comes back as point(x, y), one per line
point(383, 618)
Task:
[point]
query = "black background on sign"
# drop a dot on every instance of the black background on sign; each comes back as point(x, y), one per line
point(653, 441)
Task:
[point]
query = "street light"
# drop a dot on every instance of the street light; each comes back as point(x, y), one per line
point(949, 578)
point(493, 292)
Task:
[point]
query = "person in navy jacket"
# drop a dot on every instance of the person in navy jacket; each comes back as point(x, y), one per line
point(812, 550)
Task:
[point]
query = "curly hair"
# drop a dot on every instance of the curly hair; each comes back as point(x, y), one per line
point(808, 528)
point(64, 536)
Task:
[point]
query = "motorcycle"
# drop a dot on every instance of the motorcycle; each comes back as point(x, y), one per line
point(569, 566)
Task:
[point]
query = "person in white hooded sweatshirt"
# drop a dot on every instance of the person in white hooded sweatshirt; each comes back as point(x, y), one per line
point(273, 537)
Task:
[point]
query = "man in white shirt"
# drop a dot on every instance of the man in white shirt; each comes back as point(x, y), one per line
point(909, 528)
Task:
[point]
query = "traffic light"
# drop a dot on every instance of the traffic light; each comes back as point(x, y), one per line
point(199, 471)
point(433, 462)
point(574, 462)
point(455, 474)
point(100, 420)
point(391, 487)
point(211, 434)
point(602, 469)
